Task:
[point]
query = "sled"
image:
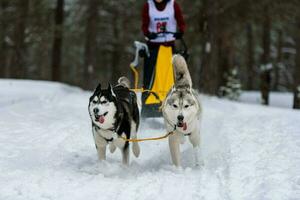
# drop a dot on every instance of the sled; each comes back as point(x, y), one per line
point(162, 77)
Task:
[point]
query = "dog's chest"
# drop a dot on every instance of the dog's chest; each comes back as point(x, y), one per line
point(107, 134)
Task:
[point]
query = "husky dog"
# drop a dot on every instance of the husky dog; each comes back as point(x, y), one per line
point(114, 114)
point(181, 112)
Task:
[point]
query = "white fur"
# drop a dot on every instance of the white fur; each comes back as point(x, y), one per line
point(135, 145)
point(124, 81)
point(186, 105)
point(180, 68)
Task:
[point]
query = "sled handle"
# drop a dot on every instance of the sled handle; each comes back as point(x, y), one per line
point(135, 75)
point(139, 46)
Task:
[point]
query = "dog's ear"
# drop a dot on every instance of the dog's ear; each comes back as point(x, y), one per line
point(96, 92)
point(111, 91)
point(98, 89)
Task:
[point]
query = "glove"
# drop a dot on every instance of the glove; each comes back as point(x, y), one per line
point(152, 36)
point(178, 35)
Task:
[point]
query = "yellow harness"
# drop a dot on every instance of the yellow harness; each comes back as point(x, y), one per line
point(147, 139)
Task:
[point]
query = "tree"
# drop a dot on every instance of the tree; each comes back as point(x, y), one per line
point(297, 69)
point(57, 42)
point(90, 53)
point(266, 66)
point(250, 57)
point(278, 59)
point(117, 48)
point(209, 65)
point(3, 32)
point(18, 59)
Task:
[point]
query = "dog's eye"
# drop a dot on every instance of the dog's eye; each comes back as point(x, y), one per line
point(186, 106)
point(103, 102)
point(95, 101)
point(175, 106)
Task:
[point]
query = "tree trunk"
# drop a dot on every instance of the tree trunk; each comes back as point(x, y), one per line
point(278, 60)
point(17, 62)
point(117, 49)
point(58, 39)
point(226, 57)
point(265, 71)
point(297, 69)
point(90, 43)
point(209, 67)
point(3, 46)
point(250, 57)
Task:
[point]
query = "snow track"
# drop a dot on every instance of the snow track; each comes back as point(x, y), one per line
point(47, 152)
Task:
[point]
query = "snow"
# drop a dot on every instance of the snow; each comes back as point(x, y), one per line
point(277, 99)
point(47, 151)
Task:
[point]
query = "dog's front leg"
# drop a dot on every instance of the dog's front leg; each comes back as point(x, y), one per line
point(121, 144)
point(195, 140)
point(174, 141)
point(125, 155)
point(100, 143)
point(135, 145)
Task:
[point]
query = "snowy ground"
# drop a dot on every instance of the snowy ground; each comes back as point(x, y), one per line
point(251, 152)
point(277, 99)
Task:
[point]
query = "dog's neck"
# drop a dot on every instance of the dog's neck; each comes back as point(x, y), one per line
point(97, 128)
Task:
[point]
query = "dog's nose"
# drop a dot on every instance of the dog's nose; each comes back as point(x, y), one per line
point(96, 110)
point(180, 117)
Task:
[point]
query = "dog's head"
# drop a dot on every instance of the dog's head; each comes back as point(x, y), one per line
point(102, 107)
point(181, 107)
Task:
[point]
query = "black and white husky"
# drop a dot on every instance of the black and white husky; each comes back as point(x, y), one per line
point(114, 113)
point(181, 111)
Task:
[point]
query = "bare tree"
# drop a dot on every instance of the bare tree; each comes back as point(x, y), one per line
point(297, 69)
point(278, 59)
point(250, 57)
point(3, 46)
point(117, 48)
point(90, 43)
point(17, 62)
point(58, 39)
point(209, 67)
point(226, 56)
point(266, 62)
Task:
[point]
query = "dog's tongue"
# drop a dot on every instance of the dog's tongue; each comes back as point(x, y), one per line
point(101, 119)
point(184, 126)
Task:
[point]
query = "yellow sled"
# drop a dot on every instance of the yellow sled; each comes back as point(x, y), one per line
point(162, 79)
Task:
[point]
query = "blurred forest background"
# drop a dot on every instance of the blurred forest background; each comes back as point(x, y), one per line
point(233, 44)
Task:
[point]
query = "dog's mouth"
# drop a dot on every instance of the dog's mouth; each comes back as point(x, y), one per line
point(182, 125)
point(101, 118)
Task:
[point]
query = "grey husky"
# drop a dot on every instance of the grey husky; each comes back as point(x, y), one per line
point(114, 113)
point(181, 112)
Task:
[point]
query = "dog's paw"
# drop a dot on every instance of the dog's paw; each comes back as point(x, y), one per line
point(112, 148)
point(199, 164)
point(136, 149)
